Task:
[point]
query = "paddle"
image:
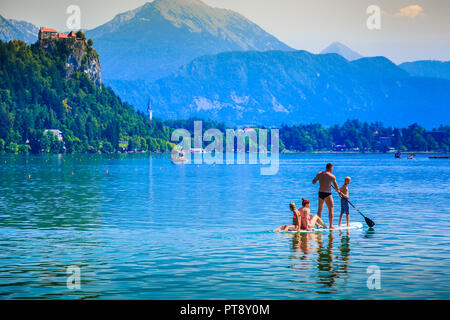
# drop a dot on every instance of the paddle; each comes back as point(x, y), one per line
point(369, 222)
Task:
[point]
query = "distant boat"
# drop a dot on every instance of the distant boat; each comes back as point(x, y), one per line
point(398, 155)
point(439, 157)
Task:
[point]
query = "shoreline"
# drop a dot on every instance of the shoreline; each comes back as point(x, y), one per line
point(283, 152)
point(370, 152)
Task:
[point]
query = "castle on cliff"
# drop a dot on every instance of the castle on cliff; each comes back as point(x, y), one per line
point(49, 33)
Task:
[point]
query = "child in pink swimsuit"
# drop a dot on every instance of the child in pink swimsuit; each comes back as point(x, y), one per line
point(308, 222)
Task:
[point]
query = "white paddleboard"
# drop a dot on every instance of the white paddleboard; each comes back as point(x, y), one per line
point(353, 225)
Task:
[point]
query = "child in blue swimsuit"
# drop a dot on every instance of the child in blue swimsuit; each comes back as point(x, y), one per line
point(345, 195)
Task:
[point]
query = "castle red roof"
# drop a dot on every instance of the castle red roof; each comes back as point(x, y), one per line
point(62, 36)
point(43, 29)
point(72, 34)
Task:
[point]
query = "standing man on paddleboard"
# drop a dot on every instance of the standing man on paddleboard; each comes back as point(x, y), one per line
point(326, 179)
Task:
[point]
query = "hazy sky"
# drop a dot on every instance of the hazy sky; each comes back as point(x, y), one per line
point(410, 30)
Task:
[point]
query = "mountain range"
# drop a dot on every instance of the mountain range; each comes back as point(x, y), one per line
point(428, 68)
point(190, 59)
point(276, 87)
point(342, 50)
point(160, 36)
point(11, 29)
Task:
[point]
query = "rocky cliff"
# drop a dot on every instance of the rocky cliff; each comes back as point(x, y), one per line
point(80, 57)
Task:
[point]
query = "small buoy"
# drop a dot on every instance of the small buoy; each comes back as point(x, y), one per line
point(106, 171)
point(29, 176)
point(72, 172)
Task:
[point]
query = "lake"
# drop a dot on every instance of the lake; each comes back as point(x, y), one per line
point(140, 227)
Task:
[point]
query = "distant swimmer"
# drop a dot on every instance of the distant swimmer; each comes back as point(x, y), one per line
point(326, 179)
point(302, 220)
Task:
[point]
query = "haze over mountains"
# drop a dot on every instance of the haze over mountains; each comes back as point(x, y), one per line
point(342, 50)
point(428, 68)
point(152, 41)
point(11, 29)
point(191, 59)
point(278, 87)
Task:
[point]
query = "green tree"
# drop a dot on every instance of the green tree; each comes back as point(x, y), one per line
point(107, 147)
point(24, 148)
point(36, 95)
point(13, 147)
point(80, 35)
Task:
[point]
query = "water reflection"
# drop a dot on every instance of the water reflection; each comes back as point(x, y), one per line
point(369, 233)
point(118, 218)
point(328, 253)
point(344, 250)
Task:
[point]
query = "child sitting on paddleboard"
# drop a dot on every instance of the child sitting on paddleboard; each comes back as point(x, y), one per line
point(302, 220)
point(345, 195)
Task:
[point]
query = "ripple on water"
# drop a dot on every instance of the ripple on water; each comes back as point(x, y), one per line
point(140, 227)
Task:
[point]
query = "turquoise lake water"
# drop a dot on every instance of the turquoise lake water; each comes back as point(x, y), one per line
point(140, 227)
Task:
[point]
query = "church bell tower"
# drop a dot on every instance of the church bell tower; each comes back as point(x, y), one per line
point(149, 110)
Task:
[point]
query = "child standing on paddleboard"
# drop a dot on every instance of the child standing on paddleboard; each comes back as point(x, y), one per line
point(345, 195)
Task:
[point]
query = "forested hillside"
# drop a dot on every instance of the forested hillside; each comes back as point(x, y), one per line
point(365, 137)
point(42, 89)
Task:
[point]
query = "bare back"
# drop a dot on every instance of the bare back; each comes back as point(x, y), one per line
point(304, 215)
point(325, 180)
